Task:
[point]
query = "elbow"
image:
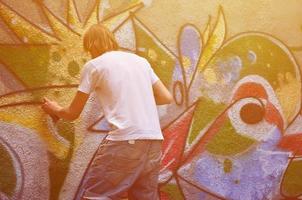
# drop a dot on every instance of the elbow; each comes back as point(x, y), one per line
point(73, 116)
point(169, 99)
point(68, 115)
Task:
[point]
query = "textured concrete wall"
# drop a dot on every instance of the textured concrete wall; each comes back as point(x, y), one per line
point(234, 131)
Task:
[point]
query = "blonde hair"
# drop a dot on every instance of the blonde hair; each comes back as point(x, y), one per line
point(99, 39)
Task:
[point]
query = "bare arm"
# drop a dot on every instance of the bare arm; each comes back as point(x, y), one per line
point(161, 93)
point(69, 113)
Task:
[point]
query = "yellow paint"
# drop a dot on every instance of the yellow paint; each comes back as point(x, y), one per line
point(210, 76)
point(22, 28)
point(152, 55)
point(149, 46)
point(281, 62)
point(33, 118)
point(206, 33)
point(288, 93)
point(66, 58)
point(113, 22)
point(69, 47)
point(68, 52)
point(214, 42)
point(228, 142)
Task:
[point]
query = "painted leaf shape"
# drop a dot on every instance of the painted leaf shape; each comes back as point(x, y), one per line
point(206, 33)
point(291, 187)
point(189, 49)
point(215, 41)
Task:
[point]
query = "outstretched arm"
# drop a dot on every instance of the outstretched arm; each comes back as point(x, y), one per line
point(69, 113)
point(161, 93)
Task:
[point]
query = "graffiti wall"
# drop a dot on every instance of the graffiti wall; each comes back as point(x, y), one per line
point(234, 130)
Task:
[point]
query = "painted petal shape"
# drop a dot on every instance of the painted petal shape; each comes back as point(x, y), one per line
point(175, 139)
point(215, 40)
point(189, 49)
point(292, 143)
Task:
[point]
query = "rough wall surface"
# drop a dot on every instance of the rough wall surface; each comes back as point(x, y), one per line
point(234, 131)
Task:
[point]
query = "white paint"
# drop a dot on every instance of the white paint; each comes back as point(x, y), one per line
point(125, 36)
point(259, 131)
point(79, 163)
point(295, 127)
point(268, 89)
point(32, 153)
point(147, 3)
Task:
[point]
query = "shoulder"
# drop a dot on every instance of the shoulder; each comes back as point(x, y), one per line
point(112, 57)
point(89, 65)
point(136, 59)
point(122, 54)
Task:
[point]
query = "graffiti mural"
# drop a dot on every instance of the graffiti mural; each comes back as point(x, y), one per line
point(233, 132)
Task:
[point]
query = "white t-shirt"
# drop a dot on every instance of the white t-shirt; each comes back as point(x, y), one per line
point(123, 83)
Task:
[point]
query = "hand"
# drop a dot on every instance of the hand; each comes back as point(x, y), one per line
point(51, 108)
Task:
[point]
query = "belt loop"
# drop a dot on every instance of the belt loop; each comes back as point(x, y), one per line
point(131, 141)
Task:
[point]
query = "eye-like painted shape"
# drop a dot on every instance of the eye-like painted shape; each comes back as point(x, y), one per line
point(257, 87)
point(248, 117)
point(252, 113)
point(178, 93)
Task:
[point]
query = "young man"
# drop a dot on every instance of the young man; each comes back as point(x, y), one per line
point(128, 160)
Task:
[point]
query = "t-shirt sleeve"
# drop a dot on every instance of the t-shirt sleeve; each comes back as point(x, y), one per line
point(153, 76)
point(88, 79)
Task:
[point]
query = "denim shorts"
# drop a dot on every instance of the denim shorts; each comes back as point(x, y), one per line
point(122, 169)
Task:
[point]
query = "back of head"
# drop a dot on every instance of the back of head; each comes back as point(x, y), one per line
point(98, 40)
